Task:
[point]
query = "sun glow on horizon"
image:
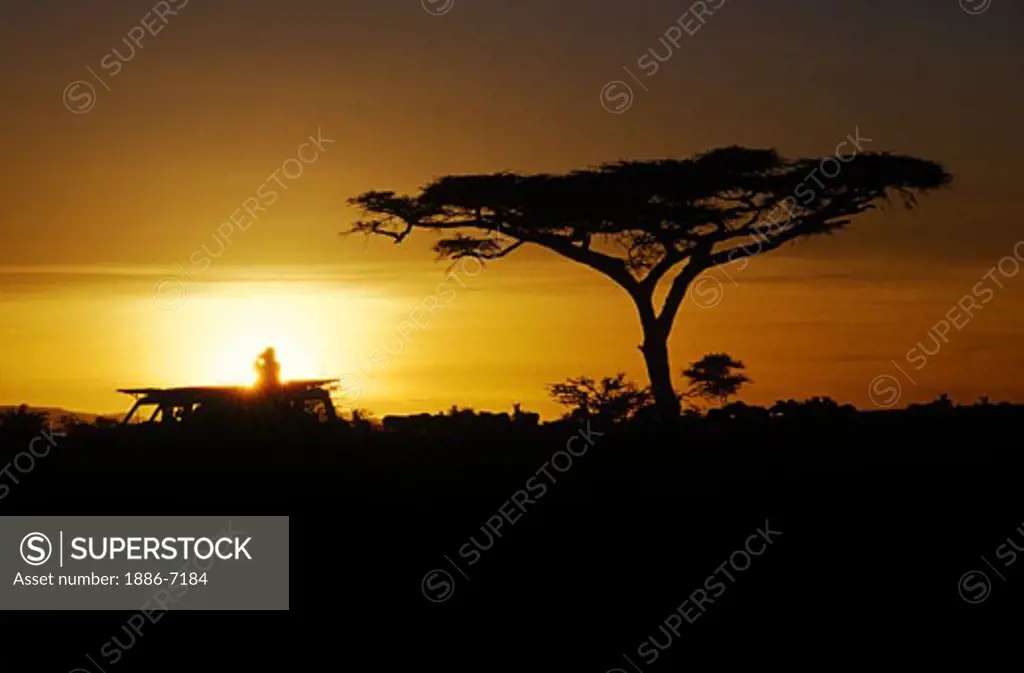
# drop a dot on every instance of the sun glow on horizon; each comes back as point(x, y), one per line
point(234, 365)
point(236, 331)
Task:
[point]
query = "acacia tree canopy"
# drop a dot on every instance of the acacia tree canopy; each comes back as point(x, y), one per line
point(637, 221)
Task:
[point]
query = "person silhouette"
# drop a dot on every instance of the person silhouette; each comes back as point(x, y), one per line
point(268, 369)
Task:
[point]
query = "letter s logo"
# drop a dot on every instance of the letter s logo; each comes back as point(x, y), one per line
point(36, 549)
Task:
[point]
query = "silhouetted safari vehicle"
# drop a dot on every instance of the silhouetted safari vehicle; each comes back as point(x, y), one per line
point(308, 399)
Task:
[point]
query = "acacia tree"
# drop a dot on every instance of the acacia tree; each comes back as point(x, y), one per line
point(613, 398)
point(716, 376)
point(637, 222)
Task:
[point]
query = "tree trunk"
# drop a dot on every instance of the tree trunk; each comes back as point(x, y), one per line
point(655, 350)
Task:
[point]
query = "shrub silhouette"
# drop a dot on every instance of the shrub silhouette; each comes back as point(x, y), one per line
point(613, 399)
point(715, 377)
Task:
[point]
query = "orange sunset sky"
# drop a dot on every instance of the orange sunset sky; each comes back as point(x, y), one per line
point(102, 205)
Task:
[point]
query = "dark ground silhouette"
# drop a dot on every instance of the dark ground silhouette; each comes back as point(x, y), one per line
point(881, 513)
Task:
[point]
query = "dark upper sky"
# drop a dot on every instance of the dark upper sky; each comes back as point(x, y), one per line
point(206, 109)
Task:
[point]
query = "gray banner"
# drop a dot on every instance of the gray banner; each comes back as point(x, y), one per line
point(144, 563)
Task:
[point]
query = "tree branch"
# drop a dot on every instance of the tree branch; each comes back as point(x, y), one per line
point(482, 249)
point(613, 267)
point(658, 271)
point(699, 260)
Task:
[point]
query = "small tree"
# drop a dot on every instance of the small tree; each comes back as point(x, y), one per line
point(715, 377)
point(614, 399)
